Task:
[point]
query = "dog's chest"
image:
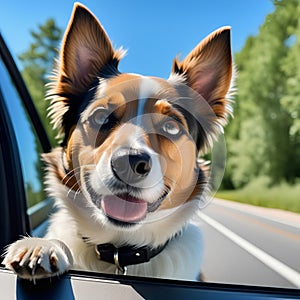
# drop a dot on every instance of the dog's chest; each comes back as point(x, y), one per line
point(180, 259)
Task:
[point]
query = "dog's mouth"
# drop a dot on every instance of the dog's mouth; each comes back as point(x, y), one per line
point(125, 209)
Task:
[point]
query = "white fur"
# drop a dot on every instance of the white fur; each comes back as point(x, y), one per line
point(77, 218)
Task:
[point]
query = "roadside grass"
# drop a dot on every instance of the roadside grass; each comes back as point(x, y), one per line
point(283, 196)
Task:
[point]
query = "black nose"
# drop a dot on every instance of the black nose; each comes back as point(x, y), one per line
point(131, 165)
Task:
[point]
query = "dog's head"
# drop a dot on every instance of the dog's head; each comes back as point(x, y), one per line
point(130, 142)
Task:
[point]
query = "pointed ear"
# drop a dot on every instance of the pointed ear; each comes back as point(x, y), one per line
point(86, 54)
point(208, 69)
point(86, 51)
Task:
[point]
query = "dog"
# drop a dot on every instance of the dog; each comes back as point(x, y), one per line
point(126, 178)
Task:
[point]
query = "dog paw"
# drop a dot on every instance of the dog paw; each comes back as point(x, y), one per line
point(35, 258)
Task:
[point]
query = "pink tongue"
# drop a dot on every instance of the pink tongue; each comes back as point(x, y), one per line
point(126, 209)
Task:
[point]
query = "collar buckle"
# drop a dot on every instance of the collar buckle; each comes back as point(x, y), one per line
point(119, 269)
point(126, 255)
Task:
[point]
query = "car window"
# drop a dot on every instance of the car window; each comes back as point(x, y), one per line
point(28, 142)
point(251, 230)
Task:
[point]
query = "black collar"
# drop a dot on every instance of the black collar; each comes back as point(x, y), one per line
point(126, 255)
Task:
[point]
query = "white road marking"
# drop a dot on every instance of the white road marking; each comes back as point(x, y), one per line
point(283, 270)
point(224, 203)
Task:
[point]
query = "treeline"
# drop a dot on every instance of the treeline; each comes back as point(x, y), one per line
point(263, 139)
point(38, 63)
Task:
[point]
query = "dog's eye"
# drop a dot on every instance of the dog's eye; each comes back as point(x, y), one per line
point(171, 127)
point(99, 116)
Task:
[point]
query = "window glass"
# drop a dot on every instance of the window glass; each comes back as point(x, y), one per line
point(29, 146)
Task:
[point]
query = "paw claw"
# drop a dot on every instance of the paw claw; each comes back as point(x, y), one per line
point(53, 262)
point(15, 266)
point(34, 258)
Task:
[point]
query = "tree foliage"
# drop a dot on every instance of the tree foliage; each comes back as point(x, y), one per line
point(37, 65)
point(265, 140)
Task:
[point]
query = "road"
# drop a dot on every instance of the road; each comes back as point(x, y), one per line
point(250, 245)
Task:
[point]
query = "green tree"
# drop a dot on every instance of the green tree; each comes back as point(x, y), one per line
point(291, 99)
point(263, 142)
point(37, 63)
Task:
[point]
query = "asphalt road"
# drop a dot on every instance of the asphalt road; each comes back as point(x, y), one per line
point(250, 245)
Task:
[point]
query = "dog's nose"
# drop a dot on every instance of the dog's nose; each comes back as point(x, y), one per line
point(131, 165)
point(140, 163)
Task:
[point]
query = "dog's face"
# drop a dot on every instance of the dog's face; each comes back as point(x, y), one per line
point(131, 142)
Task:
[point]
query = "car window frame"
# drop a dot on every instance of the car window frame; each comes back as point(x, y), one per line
point(13, 221)
point(16, 219)
point(24, 95)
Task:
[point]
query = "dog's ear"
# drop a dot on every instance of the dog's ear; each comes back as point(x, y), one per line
point(86, 54)
point(208, 70)
point(86, 51)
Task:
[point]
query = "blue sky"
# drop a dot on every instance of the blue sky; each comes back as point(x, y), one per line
point(154, 32)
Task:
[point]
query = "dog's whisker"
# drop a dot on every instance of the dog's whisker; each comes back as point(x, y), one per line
point(71, 174)
point(80, 167)
point(70, 178)
point(71, 189)
point(75, 172)
point(76, 193)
